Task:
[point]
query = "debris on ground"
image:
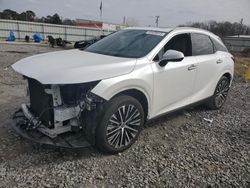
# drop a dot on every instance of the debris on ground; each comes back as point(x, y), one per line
point(208, 120)
point(187, 113)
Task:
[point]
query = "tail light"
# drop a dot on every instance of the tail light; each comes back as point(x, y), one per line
point(233, 58)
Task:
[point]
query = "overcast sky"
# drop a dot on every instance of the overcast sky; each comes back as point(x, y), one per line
point(171, 12)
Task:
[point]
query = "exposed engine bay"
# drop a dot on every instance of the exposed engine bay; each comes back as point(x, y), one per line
point(56, 110)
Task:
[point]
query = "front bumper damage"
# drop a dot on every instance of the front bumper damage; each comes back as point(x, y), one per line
point(23, 118)
point(67, 129)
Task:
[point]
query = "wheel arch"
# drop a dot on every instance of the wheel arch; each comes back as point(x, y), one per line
point(138, 95)
point(137, 88)
point(228, 75)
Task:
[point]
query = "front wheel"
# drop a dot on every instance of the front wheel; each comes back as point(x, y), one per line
point(220, 94)
point(120, 124)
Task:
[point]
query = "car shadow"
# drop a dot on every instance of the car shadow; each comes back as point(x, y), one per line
point(175, 114)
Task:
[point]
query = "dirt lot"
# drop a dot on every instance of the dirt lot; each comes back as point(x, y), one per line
point(179, 150)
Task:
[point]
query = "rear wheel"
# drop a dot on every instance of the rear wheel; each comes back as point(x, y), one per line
point(120, 125)
point(220, 94)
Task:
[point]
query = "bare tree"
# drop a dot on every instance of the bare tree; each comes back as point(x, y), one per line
point(222, 28)
point(132, 22)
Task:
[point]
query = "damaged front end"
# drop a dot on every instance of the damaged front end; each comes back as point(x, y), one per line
point(56, 114)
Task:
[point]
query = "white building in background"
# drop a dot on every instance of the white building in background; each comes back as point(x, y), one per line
point(99, 24)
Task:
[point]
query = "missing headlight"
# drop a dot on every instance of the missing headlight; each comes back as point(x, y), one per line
point(72, 94)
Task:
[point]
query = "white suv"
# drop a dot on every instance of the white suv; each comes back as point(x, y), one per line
point(104, 94)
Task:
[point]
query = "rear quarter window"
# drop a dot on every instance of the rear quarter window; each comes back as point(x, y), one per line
point(218, 46)
point(201, 44)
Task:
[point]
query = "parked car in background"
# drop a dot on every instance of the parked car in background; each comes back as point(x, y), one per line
point(86, 43)
point(104, 94)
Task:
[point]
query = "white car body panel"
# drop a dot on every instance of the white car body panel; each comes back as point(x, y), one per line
point(166, 88)
point(179, 87)
point(173, 85)
point(209, 73)
point(140, 79)
point(73, 66)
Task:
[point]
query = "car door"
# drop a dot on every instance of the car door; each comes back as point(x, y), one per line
point(174, 83)
point(207, 62)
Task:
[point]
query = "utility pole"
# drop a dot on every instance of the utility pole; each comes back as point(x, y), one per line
point(101, 10)
point(241, 24)
point(157, 20)
point(124, 20)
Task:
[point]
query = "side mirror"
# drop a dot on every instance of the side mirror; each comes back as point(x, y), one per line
point(171, 55)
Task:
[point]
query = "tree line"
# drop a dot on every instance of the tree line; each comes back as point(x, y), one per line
point(30, 16)
point(222, 29)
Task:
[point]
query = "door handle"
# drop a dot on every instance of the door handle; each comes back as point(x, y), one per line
point(192, 67)
point(219, 61)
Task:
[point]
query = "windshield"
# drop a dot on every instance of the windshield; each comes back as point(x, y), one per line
point(128, 43)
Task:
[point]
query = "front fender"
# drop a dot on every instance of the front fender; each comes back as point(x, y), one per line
point(141, 80)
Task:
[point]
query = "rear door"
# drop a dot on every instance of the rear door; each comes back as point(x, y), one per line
point(207, 62)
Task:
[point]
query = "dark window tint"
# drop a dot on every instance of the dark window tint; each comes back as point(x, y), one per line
point(201, 45)
point(181, 43)
point(218, 46)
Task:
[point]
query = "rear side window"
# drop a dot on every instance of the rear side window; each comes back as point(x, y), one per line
point(218, 46)
point(201, 44)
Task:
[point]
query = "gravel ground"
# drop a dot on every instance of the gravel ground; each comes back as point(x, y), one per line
point(178, 150)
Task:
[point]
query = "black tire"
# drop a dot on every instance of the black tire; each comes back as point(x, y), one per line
point(220, 94)
point(113, 136)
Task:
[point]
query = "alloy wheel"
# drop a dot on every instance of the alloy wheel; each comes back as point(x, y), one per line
point(123, 126)
point(221, 92)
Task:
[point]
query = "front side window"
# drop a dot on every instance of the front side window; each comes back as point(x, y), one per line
point(128, 43)
point(181, 43)
point(201, 44)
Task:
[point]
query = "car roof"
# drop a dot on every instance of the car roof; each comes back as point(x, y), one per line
point(167, 30)
point(193, 29)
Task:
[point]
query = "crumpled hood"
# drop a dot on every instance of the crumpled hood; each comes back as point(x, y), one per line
point(73, 66)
